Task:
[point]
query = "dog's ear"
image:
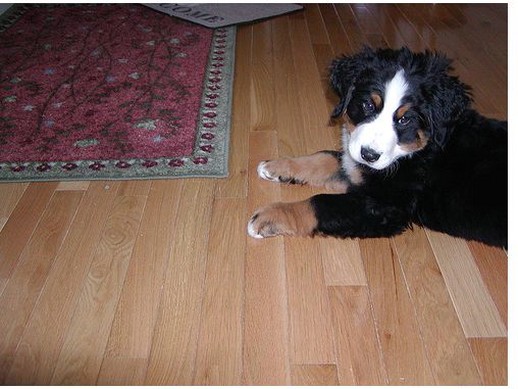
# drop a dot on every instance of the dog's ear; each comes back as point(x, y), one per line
point(343, 103)
point(343, 74)
point(446, 98)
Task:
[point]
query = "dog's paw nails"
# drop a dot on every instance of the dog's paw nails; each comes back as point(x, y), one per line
point(265, 174)
point(260, 228)
point(253, 228)
point(263, 224)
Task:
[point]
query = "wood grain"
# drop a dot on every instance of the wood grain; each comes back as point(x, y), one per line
point(173, 353)
point(20, 226)
point(10, 195)
point(359, 357)
point(476, 310)
point(447, 350)
point(492, 263)
point(122, 372)
point(73, 185)
point(400, 339)
point(262, 99)
point(219, 351)
point(491, 358)
point(44, 335)
point(342, 262)
point(28, 278)
point(314, 375)
point(90, 325)
point(137, 311)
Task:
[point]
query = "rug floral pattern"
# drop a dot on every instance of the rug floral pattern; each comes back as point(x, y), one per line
point(112, 91)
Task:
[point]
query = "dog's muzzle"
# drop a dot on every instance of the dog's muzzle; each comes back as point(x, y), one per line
point(369, 155)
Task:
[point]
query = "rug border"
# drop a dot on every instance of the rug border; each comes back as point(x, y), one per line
point(192, 166)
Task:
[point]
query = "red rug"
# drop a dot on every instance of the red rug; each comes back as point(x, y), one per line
point(112, 92)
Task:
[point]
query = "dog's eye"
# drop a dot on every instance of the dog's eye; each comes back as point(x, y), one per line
point(404, 120)
point(368, 107)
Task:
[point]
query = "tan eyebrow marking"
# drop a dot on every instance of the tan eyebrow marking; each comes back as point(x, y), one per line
point(400, 112)
point(376, 98)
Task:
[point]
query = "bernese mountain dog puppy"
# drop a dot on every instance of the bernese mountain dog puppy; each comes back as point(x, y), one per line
point(414, 151)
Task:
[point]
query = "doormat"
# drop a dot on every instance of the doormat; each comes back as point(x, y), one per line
point(92, 92)
point(222, 15)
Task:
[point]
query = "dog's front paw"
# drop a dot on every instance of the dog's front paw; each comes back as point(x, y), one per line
point(279, 170)
point(264, 172)
point(283, 219)
point(261, 226)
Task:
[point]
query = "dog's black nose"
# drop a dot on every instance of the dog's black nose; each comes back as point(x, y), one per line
point(369, 154)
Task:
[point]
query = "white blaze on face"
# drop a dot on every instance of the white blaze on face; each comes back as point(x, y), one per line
point(380, 135)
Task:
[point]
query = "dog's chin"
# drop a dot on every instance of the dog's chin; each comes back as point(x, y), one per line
point(376, 166)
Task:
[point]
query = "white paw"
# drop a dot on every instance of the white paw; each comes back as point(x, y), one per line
point(253, 229)
point(263, 172)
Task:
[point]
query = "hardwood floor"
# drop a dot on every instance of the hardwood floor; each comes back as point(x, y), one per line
point(157, 282)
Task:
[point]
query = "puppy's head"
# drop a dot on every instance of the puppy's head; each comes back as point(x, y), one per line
point(395, 102)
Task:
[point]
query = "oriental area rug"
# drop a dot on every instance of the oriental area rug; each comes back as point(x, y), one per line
point(92, 92)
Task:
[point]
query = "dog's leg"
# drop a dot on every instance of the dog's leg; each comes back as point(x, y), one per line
point(322, 169)
point(341, 215)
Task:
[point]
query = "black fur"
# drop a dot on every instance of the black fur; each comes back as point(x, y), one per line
point(456, 184)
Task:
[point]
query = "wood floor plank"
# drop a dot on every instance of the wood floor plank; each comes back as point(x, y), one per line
point(73, 185)
point(342, 262)
point(312, 110)
point(25, 285)
point(398, 31)
point(266, 354)
point(134, 188)
point(448, 352)
point(316, 26)
point(121, 371)
point(401, 344)
point(490, 21)
point(41, 343)
point(476, 310)
point(310, 315)
point(319, 35)
point(338, 38)
point(491, 357)
point(491, 31)
point(286, 95)
point(219, 358)
point(262, 98)
point(351, 26)
point(137, 310)
point(10, 194)
point(421, 21)
point(90, 325)
point(493, 264)
point(314, 375)
point(324, 57)
point(265, 343)
point(173, 352)
point(20, 226)
point(359, 358)
point(368, 18)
